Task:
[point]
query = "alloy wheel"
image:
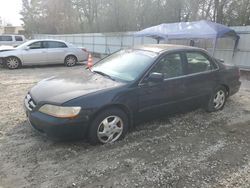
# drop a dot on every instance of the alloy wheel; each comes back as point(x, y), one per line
point(12, 62)
point(70, 61)
point(110, 129)
point(219, 99)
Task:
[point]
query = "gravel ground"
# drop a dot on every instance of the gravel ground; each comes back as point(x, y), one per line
point(195, 149)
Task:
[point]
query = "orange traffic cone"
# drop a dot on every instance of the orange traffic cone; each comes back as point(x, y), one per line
point(90, 61)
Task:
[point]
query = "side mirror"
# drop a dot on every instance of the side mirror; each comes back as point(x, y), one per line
point(156, 77)
point(27, 48)
point(220, 60)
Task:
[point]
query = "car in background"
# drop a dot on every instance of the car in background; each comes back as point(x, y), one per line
point(43, 52)
point(127, 87)
point(11, 40)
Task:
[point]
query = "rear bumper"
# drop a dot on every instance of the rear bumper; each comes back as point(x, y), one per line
point(57, 128)
point(234, 88)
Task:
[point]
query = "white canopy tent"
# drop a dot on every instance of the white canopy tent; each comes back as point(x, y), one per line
point(190, 30)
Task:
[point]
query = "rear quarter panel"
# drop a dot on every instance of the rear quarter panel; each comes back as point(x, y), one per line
point(230, 77)
point(80, 54)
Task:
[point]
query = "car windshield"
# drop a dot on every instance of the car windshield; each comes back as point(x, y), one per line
point(24, 45)
point(125, 65)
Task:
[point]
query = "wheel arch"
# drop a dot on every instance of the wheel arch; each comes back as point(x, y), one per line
point(9, 56)
point(122, 107)
point(227, 88)
point(209, 106)
point(70, 54)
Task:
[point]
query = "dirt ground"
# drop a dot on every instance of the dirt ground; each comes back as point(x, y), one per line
point(195, 149)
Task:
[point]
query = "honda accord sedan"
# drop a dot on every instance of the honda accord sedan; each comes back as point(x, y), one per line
point(43, 52)
point(104, 102)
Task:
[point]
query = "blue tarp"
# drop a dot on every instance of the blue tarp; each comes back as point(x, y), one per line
point(188, 30)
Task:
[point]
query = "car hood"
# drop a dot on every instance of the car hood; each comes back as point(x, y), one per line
point(9, 52)
point(61, 89)
point(6, 48)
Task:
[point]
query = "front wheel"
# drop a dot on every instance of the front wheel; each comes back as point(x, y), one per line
point(70, 61)
point(13, 62)
point(217, 100)
point(108, 126)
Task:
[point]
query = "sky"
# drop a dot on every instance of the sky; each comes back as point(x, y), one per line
point(9, 11)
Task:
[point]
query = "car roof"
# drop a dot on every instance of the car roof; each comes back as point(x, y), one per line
point(160, 48)
point(41, 40)
point(11, 35)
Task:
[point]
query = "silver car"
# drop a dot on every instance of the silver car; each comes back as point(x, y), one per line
point(41, 52)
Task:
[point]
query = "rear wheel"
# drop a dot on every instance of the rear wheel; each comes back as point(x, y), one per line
point(217, 100)
point(108, 126)
point(13, 62)
point(70, 61)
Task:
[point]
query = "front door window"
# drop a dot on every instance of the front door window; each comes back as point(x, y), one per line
point(170, 66)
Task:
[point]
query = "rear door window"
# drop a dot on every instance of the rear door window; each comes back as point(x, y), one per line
point(5, 38)
point(52, 44)
point(197, 63)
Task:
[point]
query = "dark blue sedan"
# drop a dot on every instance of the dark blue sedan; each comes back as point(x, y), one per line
point(104, 102)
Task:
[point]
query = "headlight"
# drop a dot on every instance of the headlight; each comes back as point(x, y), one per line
point(60, 111)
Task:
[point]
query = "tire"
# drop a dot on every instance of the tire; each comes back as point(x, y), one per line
point(70, 61)
point(103, 131)
point(13, 62)
point(217, 100)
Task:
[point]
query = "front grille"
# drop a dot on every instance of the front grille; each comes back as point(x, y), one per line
point(29, 102)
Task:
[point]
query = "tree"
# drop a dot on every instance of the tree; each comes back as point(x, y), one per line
point(89, 13)
point(49, 16)
point(80, 16)
point(31, 14)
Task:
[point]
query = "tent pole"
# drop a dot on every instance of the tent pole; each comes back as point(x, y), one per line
point(214, 46)
point(236, 44)
point(166, 41)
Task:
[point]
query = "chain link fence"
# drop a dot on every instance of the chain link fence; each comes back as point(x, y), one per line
point(106, 43)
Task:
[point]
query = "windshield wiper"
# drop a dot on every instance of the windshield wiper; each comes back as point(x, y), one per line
point(104, 74)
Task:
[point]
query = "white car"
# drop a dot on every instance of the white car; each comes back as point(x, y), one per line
point(41, 52)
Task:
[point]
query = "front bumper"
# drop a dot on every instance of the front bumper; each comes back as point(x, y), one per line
point(1, 61)
point(57, 128)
